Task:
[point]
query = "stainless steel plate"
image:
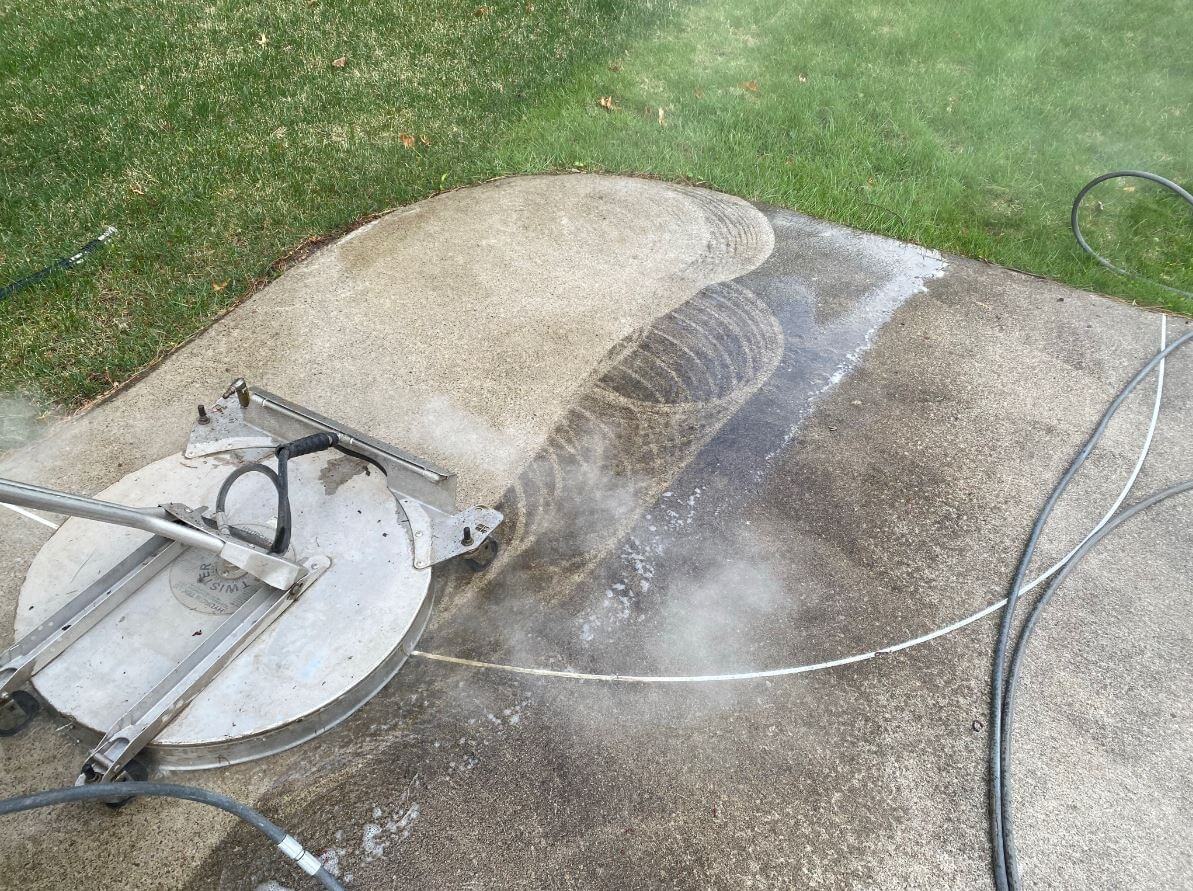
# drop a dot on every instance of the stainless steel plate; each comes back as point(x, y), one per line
point(319, 661)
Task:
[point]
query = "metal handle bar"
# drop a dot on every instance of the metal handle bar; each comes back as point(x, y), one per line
point(275, 571)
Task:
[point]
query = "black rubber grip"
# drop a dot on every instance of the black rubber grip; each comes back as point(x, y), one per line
point(316, 442)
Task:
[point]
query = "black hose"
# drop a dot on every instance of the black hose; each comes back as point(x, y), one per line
point(1075, 219)
point(1002, 682)
point(307, 445)
point(281, 540)
point(62, 263)
point(1037, 610)
point(1001, 836)
point(110, 791)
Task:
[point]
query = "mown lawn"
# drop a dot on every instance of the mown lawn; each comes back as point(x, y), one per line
point(219, 136)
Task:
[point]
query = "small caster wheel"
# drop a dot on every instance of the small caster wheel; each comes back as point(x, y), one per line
point(481, 557)
point(16, 711)
point(135, 771)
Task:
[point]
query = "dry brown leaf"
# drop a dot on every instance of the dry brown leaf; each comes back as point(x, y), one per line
point(751, 85)
point(407, 140)
point(606, 102)
point(218, 286)
point(340, 62)
point(482, 10)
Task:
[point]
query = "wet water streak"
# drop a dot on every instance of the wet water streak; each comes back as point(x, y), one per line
point(644, 485)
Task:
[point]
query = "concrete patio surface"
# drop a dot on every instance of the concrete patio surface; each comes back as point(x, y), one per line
point(727, 438)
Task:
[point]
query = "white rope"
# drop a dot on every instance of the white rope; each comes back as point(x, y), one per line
point(859, 657)
point(814, 666)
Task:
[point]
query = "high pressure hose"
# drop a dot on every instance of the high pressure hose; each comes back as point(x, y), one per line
point(286, 843)
point(1029, 627)
point(1005, 867)
point(280, 479)
point(1075, 219)
point(1004, 679)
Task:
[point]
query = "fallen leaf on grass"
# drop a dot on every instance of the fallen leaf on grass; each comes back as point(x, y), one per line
point(482, 10)
point(340, 62)
point(218, 286)
point(1128, 188)
point(407, 140)
point(613, 66)
point(751, 85)
point(606, 102)
point(662, 122)
point(803, 78)
point(262, 40)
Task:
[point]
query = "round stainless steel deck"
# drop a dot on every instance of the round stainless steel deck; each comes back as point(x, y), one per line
point(323, 658)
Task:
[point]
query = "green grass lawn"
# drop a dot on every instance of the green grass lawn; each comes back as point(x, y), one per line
point(218, 136)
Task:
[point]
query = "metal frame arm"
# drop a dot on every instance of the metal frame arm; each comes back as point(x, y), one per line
point(274, 571)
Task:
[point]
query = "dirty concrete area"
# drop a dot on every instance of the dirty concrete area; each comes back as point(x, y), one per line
point(726, 438)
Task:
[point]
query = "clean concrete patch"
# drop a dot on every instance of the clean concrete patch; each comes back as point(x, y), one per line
point(727, 438)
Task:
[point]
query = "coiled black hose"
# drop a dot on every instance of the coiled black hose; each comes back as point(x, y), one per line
point(1003, 678)
point(1075, 220)
point(316, 442)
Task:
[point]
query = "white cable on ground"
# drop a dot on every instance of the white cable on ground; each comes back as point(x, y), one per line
point(30, 515)
point(859, 657)
point(814, 666)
